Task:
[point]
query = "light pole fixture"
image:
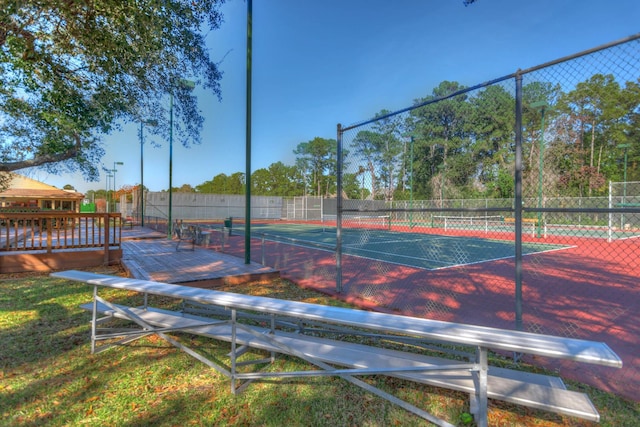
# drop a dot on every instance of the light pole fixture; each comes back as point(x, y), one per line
point(542, 106)
point(142, 123)
point(186, 84)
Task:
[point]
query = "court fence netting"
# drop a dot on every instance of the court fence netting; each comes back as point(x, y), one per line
point(550, 153)
point(510, 203)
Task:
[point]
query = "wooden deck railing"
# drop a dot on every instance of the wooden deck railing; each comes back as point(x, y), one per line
point(51, 231)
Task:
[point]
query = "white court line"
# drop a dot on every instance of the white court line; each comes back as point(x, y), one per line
point(447, 265)
point(376, 242)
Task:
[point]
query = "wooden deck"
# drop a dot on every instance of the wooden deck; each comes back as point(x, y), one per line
point(58, 240)
point(149, 255)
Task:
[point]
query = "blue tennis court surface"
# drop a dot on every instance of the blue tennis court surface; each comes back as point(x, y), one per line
point(427, 251)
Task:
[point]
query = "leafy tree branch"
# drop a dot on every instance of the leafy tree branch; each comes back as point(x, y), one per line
point(71, 72)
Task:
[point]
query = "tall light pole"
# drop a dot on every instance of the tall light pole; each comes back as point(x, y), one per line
point(411, 188)
point(187, 84)
point(443, 170)
point(442, 167)
point(141, 195)
point(114, 170)
point(247, 207)
point(542, 106)
point(108, 189)
point(142, 123)
point(624, 184)
point(169, 224)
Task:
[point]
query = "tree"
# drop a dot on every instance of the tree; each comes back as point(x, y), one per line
point(443, 142)
point(223, 184)
point(277, 180)
point(599, 115)
point(632, 91)
point(261, 182)
point(236, 183)
point(596, 103)
point(217, 185)
point(318, 158)
point(366, 146)
point(185, 188)
point(493, 126)
point(390, 148)
point(351, 186)
point(73, 71)
point(381, 152)
point(220, 184)
point(290, 181)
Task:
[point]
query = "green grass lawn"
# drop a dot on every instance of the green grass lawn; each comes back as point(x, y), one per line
point(49, 376)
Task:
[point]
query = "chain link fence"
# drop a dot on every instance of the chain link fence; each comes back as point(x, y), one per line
point(510, 204)
point(531, 220)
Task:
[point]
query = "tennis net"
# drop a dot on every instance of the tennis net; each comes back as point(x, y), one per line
point(467, 222)
point(357, 222)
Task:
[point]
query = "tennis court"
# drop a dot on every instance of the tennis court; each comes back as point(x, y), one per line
point(426, 251)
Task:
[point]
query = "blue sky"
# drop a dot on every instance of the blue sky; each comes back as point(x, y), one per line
point(320, 63)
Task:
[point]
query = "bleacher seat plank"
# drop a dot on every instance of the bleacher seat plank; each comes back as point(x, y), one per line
point(497, 339)
point(479, 379)
point(523, 388)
